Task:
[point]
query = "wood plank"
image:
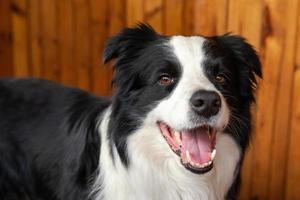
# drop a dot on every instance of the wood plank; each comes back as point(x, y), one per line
point(286, 35)
point(246, 173)
point(252, 27)
point(35, 20)
point(293, 162)
point(66, 42)
point(269, 102)
point(241, 21)
point(153, 14)
point(221, 16)
point(49, 39)
point(173, 17)
point(116, 23)
point(214, 22)
point(6, 53)
point(118, 16)
point(234, 15)
point(134, 12)
point(20, 38)
point(82, 59)
point(293, 174)
point(264, 123)
point(189, 11)
point(99, 27)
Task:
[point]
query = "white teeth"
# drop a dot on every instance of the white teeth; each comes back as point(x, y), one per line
point(188, 156)
point(213, 154)
point(207, 164)
point(177, 137)
point(201, 165)
point(195, 164)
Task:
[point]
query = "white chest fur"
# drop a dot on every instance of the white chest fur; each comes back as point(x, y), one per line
point(156, 173)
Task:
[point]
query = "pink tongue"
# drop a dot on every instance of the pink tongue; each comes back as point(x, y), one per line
point(198, 144)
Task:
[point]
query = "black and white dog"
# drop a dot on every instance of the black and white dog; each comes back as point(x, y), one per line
point(177, 127)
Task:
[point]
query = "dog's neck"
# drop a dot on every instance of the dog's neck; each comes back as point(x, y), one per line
point(155, 172)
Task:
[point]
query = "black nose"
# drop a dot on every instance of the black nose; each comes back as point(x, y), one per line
point(206, 103)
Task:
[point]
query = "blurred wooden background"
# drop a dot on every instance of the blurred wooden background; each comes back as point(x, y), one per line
point(62, 40)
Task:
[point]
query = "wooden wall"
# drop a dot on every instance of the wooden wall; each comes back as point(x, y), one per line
point(62, 40)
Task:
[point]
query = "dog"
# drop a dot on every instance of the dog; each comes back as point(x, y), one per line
point(177, 127)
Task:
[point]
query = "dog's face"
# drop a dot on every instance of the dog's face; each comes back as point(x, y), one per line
point(189, 88)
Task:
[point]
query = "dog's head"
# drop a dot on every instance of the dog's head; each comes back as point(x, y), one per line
point(188, 88)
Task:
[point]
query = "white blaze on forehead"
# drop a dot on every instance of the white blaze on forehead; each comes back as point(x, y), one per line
point(189, 51)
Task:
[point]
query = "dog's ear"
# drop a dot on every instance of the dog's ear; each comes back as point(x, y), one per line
point(246, 60)
point(128, 42)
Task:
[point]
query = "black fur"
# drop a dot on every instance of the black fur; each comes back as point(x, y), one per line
point(232, 57)
point(235, 59)
point(140, 62)
point(49, 144)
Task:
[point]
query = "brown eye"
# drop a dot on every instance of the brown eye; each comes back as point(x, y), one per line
point(220, 79)
point(165, 80)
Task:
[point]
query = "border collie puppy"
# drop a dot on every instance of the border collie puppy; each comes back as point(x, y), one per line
point(177, 127)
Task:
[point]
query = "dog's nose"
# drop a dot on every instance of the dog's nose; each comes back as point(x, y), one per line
point(206, 103)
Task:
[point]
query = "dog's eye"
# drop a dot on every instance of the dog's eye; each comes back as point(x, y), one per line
point(165, 80)
point(220, 79)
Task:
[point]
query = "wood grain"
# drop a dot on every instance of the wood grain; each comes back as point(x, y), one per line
point(134, 12)
point(153, 11)
point(293, 174)
point(293, 161)
point(215, 20)
point(173, 11)
point(49, 40)
point(287, 37)
point(66, 48)
point(35, 34)
point(6, 46)
point(82, 53)
point(20, 37)
point(189, 11)
point(63, 41)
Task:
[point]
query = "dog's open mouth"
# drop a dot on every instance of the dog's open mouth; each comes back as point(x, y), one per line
point(196, 147)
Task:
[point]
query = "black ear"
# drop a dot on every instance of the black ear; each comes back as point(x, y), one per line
point(128, 42)
point(246, 60)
